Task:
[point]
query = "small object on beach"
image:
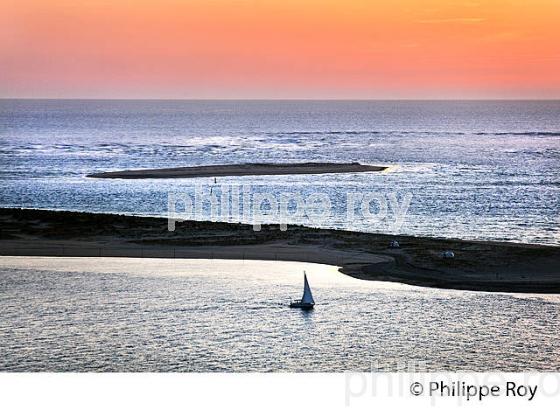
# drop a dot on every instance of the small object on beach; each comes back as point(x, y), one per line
point(306, 302)
point(448, 255)
point(394, 245)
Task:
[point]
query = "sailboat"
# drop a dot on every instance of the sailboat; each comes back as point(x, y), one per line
point(306, 301)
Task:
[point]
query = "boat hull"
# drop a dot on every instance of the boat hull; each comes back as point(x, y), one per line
point(303, 306)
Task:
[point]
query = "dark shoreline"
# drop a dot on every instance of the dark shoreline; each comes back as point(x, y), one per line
point(241, 170)
point(480, 266)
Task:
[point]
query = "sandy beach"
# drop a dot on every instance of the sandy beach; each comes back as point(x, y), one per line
point(483, 266)
point(241, 170)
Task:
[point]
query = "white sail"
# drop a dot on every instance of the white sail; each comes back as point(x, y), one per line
point(307, 296)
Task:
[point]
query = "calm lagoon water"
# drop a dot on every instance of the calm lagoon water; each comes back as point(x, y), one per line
point(115, 314)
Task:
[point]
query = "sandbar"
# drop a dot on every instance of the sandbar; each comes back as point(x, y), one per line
point(242, 170)
point(478, 265)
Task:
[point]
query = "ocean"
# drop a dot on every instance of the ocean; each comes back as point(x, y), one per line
point(485, 170)
point(468, 169)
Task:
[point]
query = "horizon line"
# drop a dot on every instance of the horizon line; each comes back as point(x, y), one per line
point(275, 99)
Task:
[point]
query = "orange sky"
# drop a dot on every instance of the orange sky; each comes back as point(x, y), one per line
point(280, 48)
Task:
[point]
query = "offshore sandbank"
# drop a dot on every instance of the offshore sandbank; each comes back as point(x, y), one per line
point(242, 170)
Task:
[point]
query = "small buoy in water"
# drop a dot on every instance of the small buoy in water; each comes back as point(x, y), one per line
point(394, 245)
point(448, 255)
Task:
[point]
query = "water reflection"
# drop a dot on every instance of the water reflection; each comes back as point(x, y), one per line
point(118, 314)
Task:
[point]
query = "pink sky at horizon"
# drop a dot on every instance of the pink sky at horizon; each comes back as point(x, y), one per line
point(355, 49)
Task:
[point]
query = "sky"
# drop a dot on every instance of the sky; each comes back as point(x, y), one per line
point(339, 49)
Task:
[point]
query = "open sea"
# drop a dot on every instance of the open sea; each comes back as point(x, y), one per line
point(486, 170)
